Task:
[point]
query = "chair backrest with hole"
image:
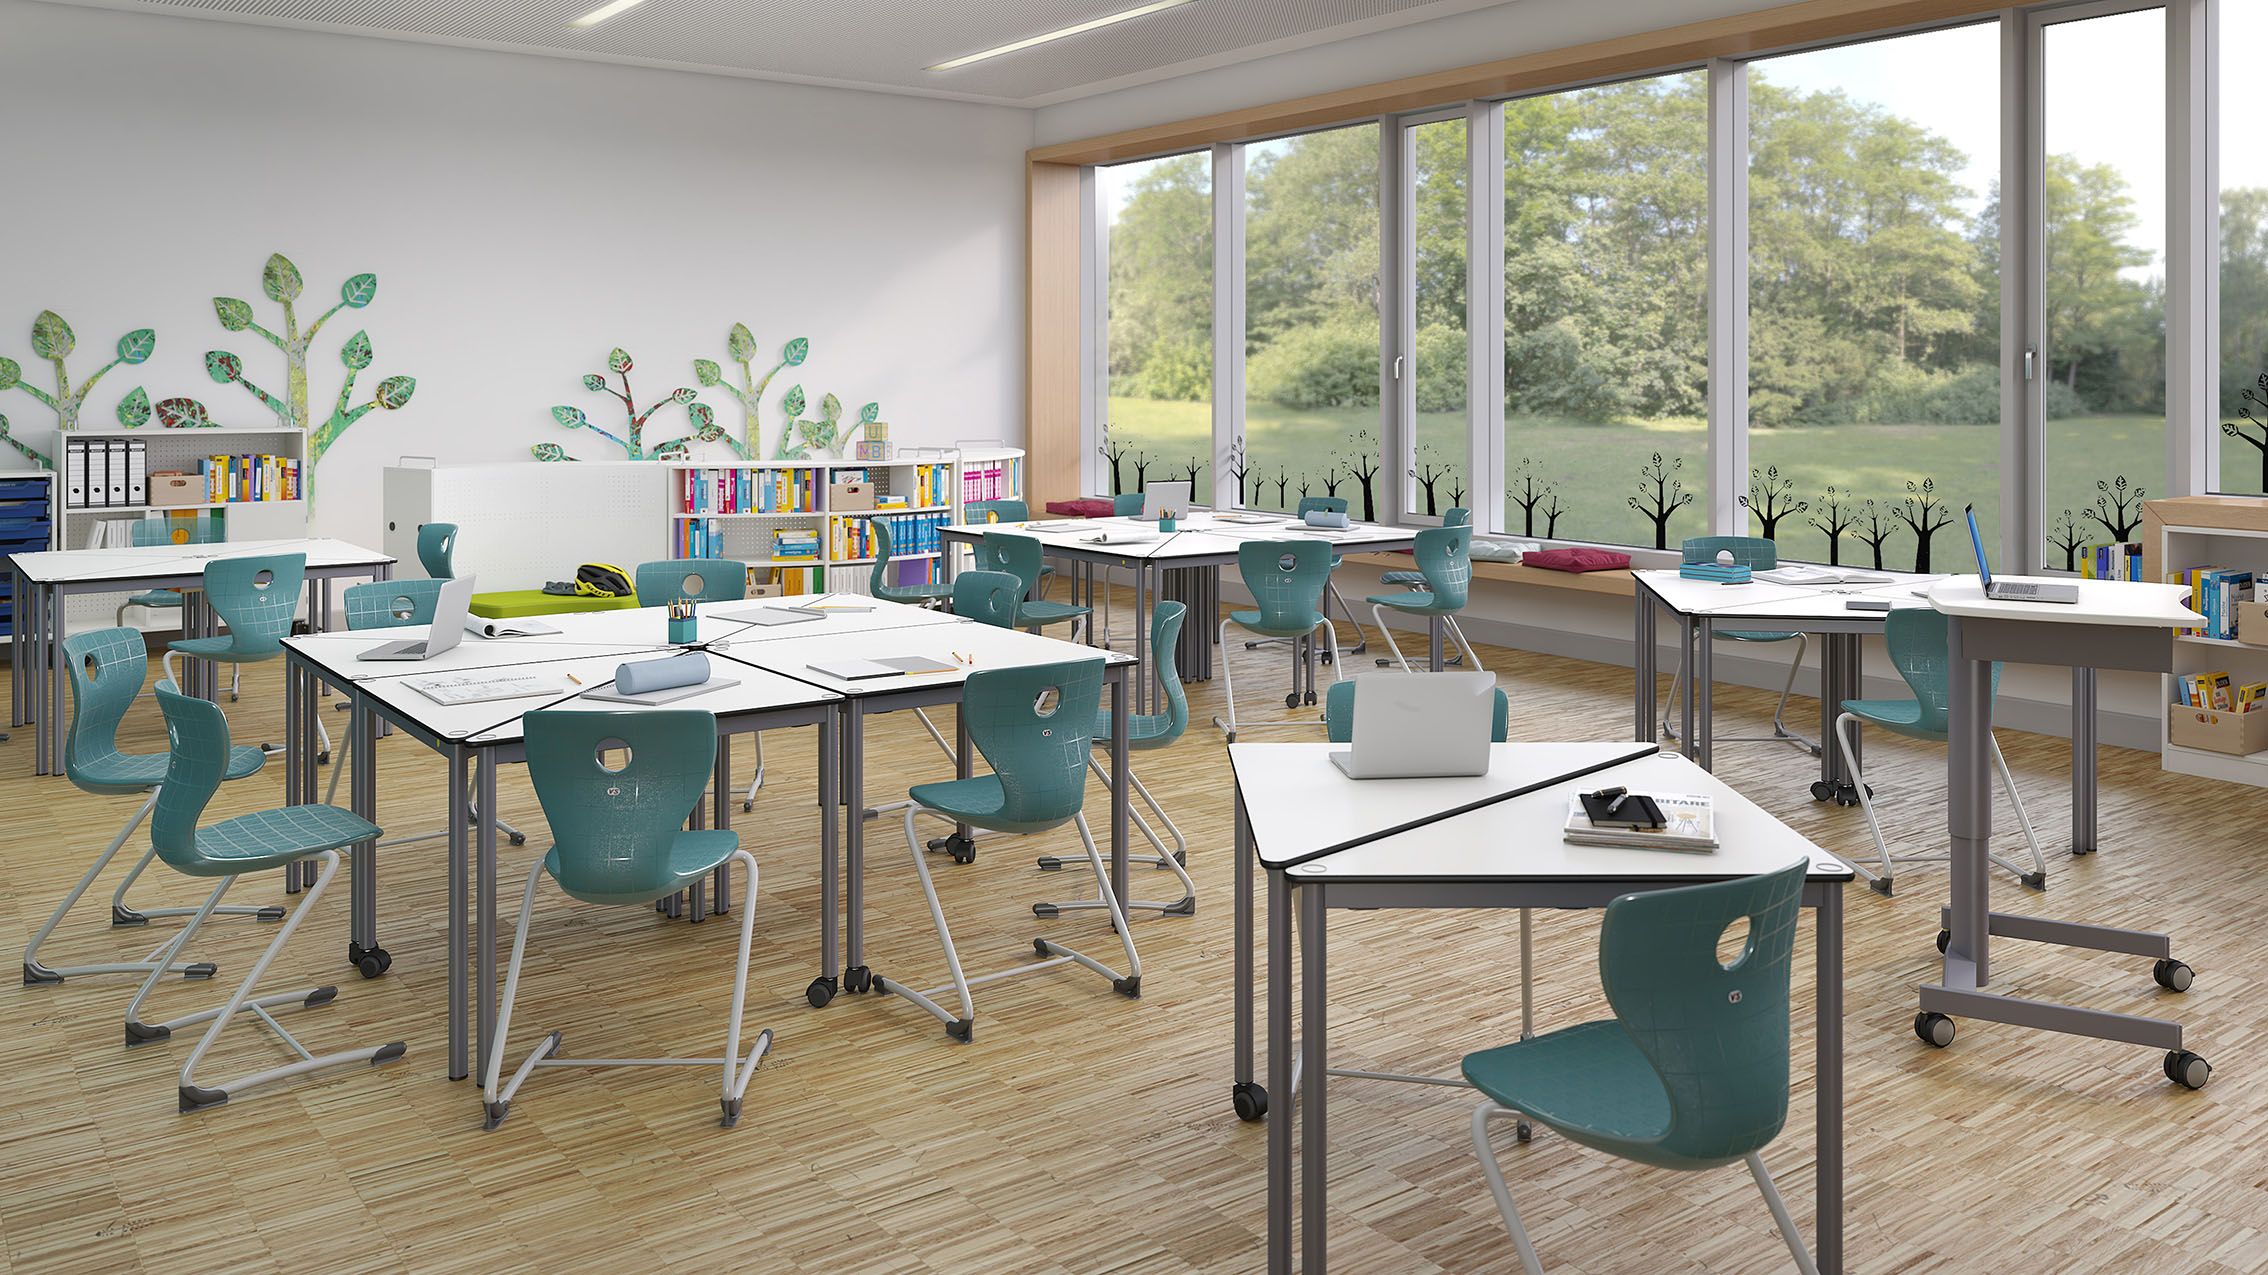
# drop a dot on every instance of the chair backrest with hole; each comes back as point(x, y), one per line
point(196, 737)
point(885, 548)
point(1127, 504)
point(983, 511)
point(388, 604)
point(160, 530)
point(1445, 557)
point(107, 668)
point(1754, 552)
point(612, 829)
point(692, 579)
point(437, 549)
point(1338, 713)
point(1919, 641)
point(257, 598)
point(1715, 1031)
point(988, 597)
point(1286, 579)
point(1457, 516)
point(1018, 555)
point(1165, 631)
point(1321, 504)
point(1034, 726)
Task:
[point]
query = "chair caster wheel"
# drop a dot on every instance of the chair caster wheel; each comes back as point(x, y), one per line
point(370, 962)
point(1292, 700)
point(961, 1029)
point(2187, 1069)
point(1250, 1101)
point(961, 848)
point(493, 1113)
point(858, 980)
point(2034, 880)
point(1524, 1132)
point(2174, 977)
point(1311, 699)
point(1821, 790)
point(1933, 1028)
point(821, 991)
point(731, 1109)
point(1944, 940)
point(1049, 863)
point(1880, 885)
point(1045, 910)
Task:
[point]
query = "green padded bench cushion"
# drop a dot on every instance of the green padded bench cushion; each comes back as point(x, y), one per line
point(517, 604)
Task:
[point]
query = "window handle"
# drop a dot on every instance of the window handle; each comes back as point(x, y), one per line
point(2031, 356)
point(1397, 367)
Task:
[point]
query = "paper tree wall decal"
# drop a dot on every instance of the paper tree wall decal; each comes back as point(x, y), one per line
point(740, 345)
point(53, 340)
point(703, 420)
point(281, 283)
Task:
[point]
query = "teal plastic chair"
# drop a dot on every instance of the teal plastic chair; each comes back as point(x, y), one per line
point(437, 549)
point(1127, 504)
point(1691, 1073)
point(1286, 579)
point(1757, 554)
point(982, 511)
point(1147, 732)
point(106, 668)
point(987, 597)
point(159, 531)
point(1454, 516)
point(200, 757)
point(1445, 559)
point(1338, 713)
point(1020, 556)
point(1332, 505)
point(1034, 726)
point(879, 583)
point(257, 599)
point(1917, 640)
point(619, 839)
point(690, 579)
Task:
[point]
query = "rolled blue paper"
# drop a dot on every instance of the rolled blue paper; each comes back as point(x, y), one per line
point(1326, 518)
point(689, 669)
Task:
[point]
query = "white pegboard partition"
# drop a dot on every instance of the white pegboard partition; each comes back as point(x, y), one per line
point(522, 523)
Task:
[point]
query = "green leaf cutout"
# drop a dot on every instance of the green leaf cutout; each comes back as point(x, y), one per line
point(136, 346)
point(223, 367)
point(707, 372)
point(356, 352)
point(51, 337)
point(794, 352)
point(792, 401)
point(10, 373)
point(704, 419)
point(358, 291)
point(183, 413)
point(549, 451)
point(134, 409)
point(395, 391)
point(593, 382)
point(740, 343)
point(618, 360)
point(280, 279)
point(830, 408)
point(870, 413)
point(570, 417)
point(234, 315)
point(683, 394)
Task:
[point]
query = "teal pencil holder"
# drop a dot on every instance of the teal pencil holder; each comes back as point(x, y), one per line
point(682, 631)
point(1165, 524)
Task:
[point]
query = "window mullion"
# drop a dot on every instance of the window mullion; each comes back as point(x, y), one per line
point(1728, 297)
point(1484, 313)
point(1228, 318)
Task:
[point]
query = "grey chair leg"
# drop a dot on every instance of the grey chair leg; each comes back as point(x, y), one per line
point(1780, 1216)
point(1520, 1241)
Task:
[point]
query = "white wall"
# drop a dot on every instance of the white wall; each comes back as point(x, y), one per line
point(522, 214)
point(1465, 39)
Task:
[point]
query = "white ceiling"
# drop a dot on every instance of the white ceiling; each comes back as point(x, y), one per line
point(868, 44)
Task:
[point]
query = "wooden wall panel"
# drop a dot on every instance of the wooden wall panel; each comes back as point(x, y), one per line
point(1051, 332)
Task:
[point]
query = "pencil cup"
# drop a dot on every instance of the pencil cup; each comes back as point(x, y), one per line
point(681, 629)
point(1165, 524)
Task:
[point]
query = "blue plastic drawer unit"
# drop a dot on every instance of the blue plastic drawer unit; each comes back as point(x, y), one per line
point(26, 526)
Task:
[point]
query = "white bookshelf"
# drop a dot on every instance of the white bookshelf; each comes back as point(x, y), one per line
point(2199, 532)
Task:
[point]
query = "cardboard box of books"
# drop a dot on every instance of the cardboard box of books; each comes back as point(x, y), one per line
point(2252, 623)
point(2219, 730)
point(167, 490)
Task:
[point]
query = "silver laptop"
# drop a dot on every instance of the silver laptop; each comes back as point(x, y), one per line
point(1420, 726)
point(448, 629)
point(1165, 500)
point(2015, 590)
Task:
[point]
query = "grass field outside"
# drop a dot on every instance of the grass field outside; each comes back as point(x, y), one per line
point(1594, 468)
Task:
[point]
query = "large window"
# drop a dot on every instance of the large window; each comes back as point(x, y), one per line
point(1605, 312)
point(1311, 329)
point(2103, 209)
point(1874, 299)
point(2244, 254)
point(1437, 470)
point(1159, 322)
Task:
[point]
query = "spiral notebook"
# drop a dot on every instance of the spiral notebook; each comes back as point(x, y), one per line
point(1692, 826)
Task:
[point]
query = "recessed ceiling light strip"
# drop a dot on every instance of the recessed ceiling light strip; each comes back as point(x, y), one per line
point(1020, 45)
point(602, 13)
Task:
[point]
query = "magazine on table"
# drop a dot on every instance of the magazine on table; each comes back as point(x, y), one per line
point(1808, 575)
point(1691, 826)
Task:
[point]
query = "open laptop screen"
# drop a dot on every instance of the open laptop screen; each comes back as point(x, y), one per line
point(1984, 569)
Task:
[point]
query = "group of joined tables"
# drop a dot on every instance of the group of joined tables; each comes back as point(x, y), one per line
point(1322, 841)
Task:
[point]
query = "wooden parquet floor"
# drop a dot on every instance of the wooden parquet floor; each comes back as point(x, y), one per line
point(1084, 1132)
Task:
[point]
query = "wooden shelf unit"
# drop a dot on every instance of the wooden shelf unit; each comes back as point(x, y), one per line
point(2192, 531)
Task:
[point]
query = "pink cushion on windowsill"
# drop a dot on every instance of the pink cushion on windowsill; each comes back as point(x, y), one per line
point(1576, 559)
point(1084, 507)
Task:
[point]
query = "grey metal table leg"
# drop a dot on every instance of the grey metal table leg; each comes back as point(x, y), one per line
point(1704, 685)
point(1643, 667)
point(830, 863)
point(1433, 643)
point(1279, 1074)
point(460, 986)
point(1827, 1248)
point(1968, 809)
point(362, 796)
point(1118, 767)
point(854, 831)
point(720, 816)
point(1315, 1075)
point(484, 905)
point(2083, 761)
point(1241, 847)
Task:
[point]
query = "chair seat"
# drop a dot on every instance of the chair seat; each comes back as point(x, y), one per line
point(1251, 620)
point(1417, 603)
point(1759, 637)
point(1048, 613)
point(139, 772)
point(221, 650)
point(693, 853)
point(914, 592)
point(1589, 1082)
point(977, 801)
point(1402, 577)
point(1153, 730)
point(155, 598)
point(1898, 716)
point(272, 838)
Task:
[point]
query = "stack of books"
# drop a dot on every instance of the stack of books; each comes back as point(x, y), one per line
point(1692, 826)
point(2218, 690)
point(795, 542)
point(1735, 573)
point(2111, 562)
